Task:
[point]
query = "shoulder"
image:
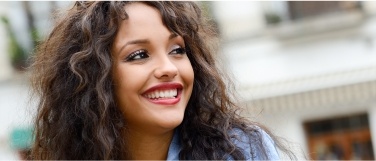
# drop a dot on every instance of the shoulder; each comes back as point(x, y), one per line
point(255, 145)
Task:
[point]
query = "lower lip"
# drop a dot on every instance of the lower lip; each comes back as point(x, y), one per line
point(167, 101)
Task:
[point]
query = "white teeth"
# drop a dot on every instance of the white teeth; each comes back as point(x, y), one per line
point(161, 94)
point(171, 93)
point(156, 94)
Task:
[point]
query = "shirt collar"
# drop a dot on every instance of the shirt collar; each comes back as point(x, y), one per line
point(175, 147)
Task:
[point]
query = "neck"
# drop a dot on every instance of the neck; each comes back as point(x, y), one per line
point(143, 146)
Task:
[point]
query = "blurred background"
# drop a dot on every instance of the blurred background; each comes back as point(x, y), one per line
point(307, 70)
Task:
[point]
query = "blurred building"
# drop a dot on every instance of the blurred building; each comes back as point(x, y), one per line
point(307, 70)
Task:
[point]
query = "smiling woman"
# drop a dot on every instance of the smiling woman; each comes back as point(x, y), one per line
point(153, 80)
point(137, 80)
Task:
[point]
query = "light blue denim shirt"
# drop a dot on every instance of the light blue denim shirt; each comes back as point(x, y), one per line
point(175, 147)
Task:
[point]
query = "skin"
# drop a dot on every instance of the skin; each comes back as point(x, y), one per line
point(156, 57)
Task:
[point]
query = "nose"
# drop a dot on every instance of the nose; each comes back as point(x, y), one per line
point(165, 69)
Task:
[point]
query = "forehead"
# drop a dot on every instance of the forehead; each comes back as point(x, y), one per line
point(141, 17)
point(138, 11)
point(142, 22)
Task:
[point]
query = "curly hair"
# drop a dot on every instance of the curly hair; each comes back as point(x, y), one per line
point(77, 115)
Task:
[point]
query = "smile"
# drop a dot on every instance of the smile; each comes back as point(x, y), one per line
point(164, 94)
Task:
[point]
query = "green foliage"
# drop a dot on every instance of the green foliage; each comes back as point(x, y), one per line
point(17, 54)
point(272, 18)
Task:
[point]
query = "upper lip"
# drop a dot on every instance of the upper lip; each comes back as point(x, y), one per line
point(164, 86)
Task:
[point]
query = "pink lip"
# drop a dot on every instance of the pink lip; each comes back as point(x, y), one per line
point(165, 86)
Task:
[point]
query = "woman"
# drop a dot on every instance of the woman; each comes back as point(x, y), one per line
point(138, 80)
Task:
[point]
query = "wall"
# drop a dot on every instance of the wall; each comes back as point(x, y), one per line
point(238, 19)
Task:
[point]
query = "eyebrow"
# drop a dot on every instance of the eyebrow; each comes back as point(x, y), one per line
point(143, 41)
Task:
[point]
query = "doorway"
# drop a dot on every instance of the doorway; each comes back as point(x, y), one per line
point(341, 138)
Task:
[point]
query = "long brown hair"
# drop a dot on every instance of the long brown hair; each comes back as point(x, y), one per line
point(77, 115)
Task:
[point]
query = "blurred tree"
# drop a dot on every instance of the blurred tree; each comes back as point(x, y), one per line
point(31, 23)
point(272, 18)
point(18, 55)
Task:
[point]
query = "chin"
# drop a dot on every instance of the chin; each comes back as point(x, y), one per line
point(171, 123)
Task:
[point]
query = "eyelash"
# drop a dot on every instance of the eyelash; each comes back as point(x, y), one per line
point(179, 50)
point(143, 54)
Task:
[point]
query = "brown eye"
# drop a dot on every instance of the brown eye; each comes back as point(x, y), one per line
point(137, 55)
point(178, 50)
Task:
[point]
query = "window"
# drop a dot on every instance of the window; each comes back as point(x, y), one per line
point(295, 19)
point(305, 9)
point(344, 138)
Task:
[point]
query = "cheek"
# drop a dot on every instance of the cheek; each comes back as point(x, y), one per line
point(128, 77)
point(128, 83)
point(187, 73)
point(126, 92)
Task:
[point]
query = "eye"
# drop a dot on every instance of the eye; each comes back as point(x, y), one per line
point(137, 55)
point(179, 50)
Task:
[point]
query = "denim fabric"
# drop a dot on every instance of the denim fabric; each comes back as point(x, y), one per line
point(175, 147)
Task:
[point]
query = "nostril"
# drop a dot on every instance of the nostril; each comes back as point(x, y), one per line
point(166, 73)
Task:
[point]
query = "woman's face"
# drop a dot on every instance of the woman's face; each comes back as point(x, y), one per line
point(152, 74)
